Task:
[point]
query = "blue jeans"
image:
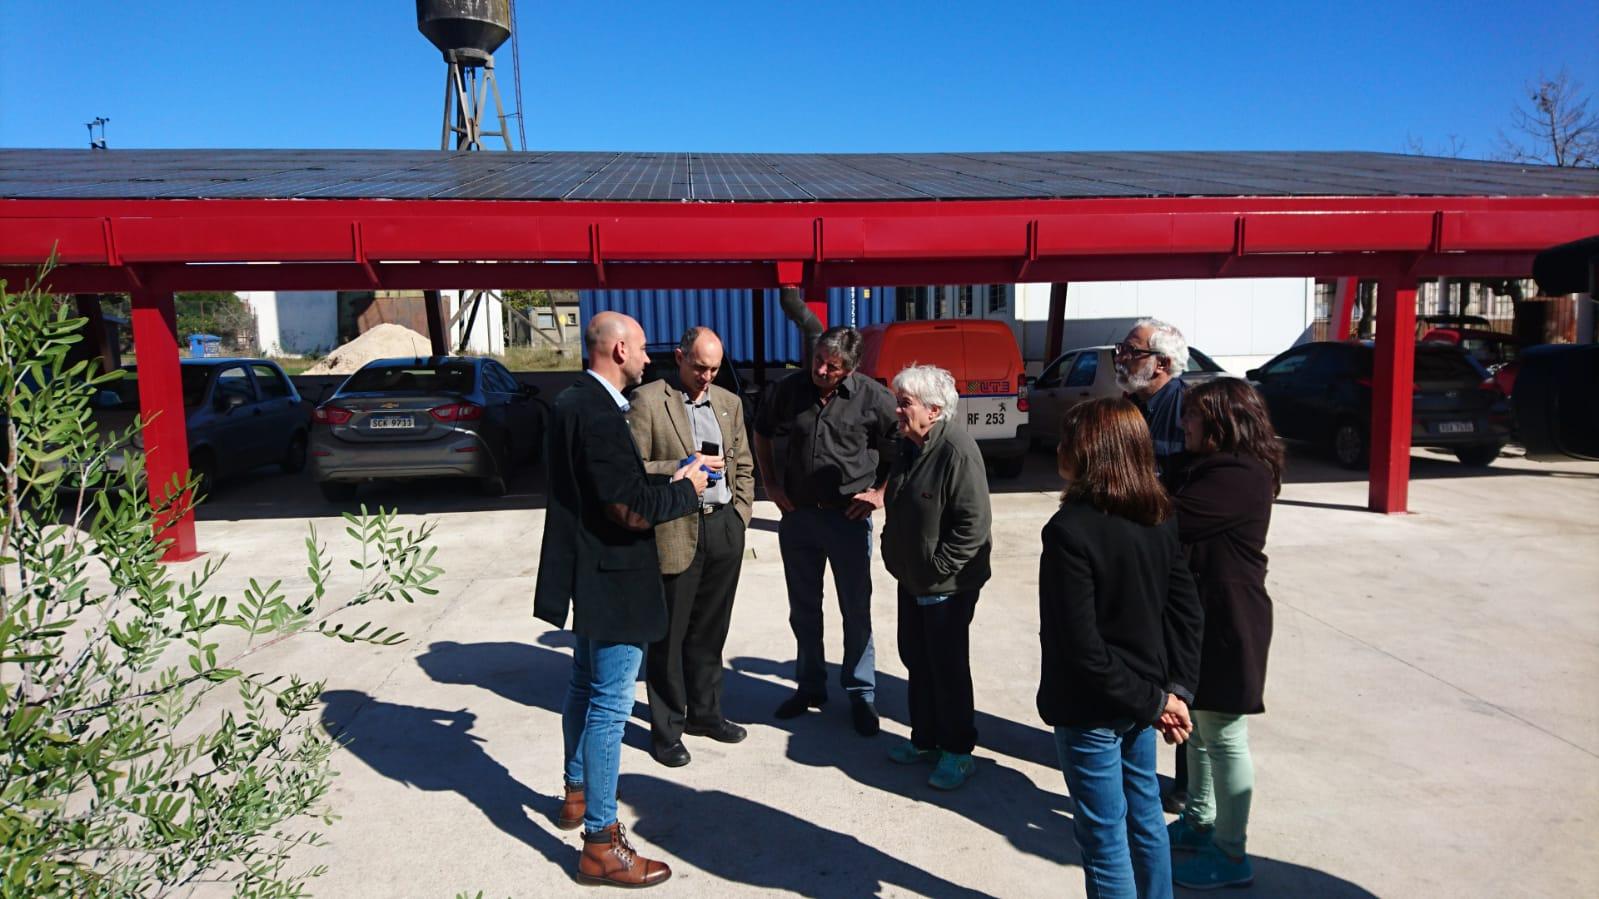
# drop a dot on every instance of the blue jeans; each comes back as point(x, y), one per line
point(598, 704)
point(1117, 822)
point(811, 539)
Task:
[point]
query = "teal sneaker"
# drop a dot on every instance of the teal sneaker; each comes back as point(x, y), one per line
point(907, 753)
point(1212, 870)
point(1187, 837)
point(952, 771)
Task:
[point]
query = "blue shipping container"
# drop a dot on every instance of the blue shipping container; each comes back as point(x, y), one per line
point(666, 314)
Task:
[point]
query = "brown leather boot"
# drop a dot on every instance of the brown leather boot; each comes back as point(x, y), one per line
point(570, 817)
point(608, 858)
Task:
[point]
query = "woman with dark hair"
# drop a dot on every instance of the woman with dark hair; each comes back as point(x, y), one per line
point(1120, 625)
point(1223, 510)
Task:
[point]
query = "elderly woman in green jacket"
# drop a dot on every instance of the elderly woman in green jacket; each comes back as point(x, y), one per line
point(936, 545)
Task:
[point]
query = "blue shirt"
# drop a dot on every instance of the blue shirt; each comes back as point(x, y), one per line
point(1164, 414)
point(621, 401)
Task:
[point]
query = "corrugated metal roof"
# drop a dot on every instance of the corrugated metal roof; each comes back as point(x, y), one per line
point(760, 177)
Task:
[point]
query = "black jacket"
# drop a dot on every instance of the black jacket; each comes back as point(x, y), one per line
point(1119, 619)
point(1223, 510)
point(598, 556)
point(937, 521)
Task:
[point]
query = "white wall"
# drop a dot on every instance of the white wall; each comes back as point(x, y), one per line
point(1239, 322)
point(488, 330)
point(294, 323)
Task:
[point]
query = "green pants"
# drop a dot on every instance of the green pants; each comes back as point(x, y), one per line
point(1221, 778)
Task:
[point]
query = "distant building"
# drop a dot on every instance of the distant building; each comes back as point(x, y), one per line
point(302, 323)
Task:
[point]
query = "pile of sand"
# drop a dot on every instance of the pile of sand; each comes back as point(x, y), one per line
point(383, 341)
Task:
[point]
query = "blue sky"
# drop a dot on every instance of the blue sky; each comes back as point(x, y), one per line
point(798, 77)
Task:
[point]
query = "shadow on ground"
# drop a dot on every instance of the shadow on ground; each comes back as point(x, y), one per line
point(774, 850)
point(268, 493)
point(434, 749)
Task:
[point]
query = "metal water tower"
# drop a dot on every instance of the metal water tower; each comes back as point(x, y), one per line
point(467, 32)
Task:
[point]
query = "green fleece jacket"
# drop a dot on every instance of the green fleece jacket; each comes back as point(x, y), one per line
point(935, 537)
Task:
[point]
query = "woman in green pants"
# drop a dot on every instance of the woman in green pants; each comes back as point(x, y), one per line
point(1223, 511)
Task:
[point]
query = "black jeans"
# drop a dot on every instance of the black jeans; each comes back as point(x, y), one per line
point(934, 647)
point(683, 670)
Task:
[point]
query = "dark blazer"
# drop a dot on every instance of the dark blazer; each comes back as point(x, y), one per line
point(1119, 619)
point(1223, 510)
point(937, 514)
point(598, 556)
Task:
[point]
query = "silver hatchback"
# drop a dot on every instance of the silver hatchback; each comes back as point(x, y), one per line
point(441, 416)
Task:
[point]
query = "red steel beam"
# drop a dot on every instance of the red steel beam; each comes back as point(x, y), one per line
point(111, 231)
point(1392, 383)
point(166, 438)
point(736, 275)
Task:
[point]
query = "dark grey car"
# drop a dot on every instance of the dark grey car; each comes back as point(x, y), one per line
point(240, 414)
point(441, 416)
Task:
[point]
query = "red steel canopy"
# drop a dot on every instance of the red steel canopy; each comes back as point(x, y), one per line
point(150, 223)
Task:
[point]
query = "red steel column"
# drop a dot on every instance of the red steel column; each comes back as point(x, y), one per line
point(166, 438)
point(1392, 383)
point(1057, 322)
point(816, 300)
point(438, 340)
point(1342, 313)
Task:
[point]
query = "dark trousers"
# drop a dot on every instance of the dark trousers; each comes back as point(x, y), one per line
point(683, 670)
point(934, 647)
point(811, 540)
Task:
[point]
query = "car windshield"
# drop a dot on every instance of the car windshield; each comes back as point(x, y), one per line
point(1198, 361)
point(449, 377)
point(1444, 364)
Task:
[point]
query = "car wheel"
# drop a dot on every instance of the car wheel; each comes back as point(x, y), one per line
point(1009, 468)
point(203, 472)
point(493, 485)
point(1349, 444)
point(294, 457)
point(337, 491)
point(1479, 456)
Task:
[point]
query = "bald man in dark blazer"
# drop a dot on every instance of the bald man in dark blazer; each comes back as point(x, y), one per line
point(599, 562)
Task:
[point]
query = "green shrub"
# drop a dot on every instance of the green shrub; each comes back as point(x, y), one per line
point(141, 751)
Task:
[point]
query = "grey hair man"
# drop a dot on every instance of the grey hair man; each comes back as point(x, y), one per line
point(1149, 365)
point(1150, 362)
point(825, 441)
point(936, 545)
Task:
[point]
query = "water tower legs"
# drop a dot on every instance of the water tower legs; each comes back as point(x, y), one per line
point(466, 93)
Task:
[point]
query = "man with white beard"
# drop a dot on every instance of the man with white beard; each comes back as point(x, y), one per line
point(1149, 365)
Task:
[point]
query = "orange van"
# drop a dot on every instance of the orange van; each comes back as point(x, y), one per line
point(987, 367)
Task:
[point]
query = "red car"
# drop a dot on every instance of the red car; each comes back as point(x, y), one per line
point(1496, 351)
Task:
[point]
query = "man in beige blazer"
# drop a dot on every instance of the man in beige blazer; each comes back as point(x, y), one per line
point(701, 555)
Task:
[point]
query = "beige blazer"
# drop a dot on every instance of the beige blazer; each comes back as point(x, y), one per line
point(661, 429)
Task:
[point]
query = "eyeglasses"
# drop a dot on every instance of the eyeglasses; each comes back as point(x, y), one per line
point(1127, 349)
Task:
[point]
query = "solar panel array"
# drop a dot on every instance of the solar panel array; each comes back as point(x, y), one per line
point(760, 177)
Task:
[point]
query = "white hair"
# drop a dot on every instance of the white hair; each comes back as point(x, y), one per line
point(1166, 340)
point(932, 386)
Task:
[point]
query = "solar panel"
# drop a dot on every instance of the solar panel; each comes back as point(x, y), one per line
point(761, 177)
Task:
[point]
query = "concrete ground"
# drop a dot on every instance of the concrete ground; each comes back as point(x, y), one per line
point(1429, 728)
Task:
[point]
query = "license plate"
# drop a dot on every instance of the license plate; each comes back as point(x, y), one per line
point(1456, 427)
point(391, 422)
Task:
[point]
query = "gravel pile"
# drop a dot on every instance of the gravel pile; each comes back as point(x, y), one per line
point(383, 341)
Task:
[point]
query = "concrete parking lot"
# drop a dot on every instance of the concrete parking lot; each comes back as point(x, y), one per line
point(1429, 729)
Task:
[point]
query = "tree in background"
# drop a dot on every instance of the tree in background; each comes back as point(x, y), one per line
point(146, 746)
point(1555, 127)
point(214, 312)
